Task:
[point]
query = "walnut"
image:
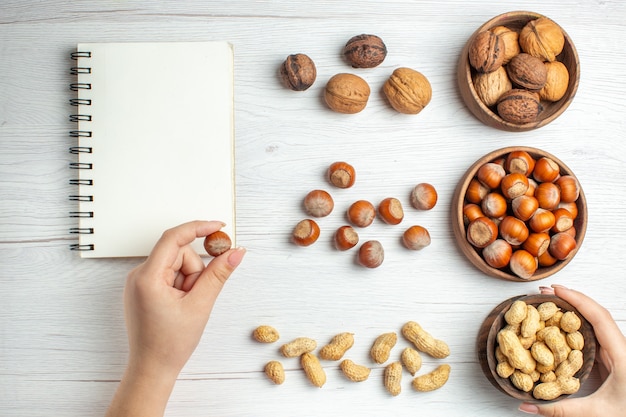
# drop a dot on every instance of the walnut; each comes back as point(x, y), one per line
point(365, 51)
point(346, 93)
point(486, 52)
point(527, 71)
point(556, 83)
point(490, 86)
point(407, 90)
point(298, 72)
point(542, 38)
point(511, 42)
point(519, 106)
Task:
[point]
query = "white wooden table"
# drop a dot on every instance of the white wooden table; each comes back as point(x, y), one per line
point(62, 335)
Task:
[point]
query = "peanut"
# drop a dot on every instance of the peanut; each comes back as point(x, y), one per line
point(275, 372)
point(411, 360)
point(555, 320)
point(504, 368)
point(548, 376)
point(575, 340)
point(265, 334)
point(512, 348)
point(354, 372)
point(313, 369)
point(570, 322)
point(382, 347)
point(298, 346)
point(557, 343)
point(547, 310)
point(432, 380)
point(424, 341)
point(522, 381)
point(542, 354)
point(392, 378)
point(516, 313)
point(571, 365)
point(552, 390)
point(531, 323)
point(337, 347)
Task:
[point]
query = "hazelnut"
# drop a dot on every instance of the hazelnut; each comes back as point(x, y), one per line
point(519, 106)
point(561, 245)
point(298, 72)
point(557, 80)
point(391, 211)
point(365, 51)
point(306, 233)
point(408, 91)
point(346, 238)
point(536, 243)
point(486, 52)
point(416, 238)
point(371, 254)
point(527, 71)
point(546, 170)
point(361, 213)
point(494, 205)
point(490, 86)
point(542, 38)
point(498, 253)
point(511, 42)
point(514, 185)
point(568, 185)
point(318, 203)
point(481, 232)
point(423, 196)
point(513, 230)
point(217, 243)
point(341, 174)
point(523, 264)
point(548, 195)
point(563, 220)
point(346, 93)
point(519, 161)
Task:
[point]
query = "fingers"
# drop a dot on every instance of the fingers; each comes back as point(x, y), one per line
point(606, 329)
point(573, 407)
point(209, 284)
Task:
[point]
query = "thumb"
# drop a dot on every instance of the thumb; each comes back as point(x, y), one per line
point(574, 407)
point(211, 281)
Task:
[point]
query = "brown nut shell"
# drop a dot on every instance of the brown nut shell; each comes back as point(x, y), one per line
point(542, 38)
point(527, 72)
point(557, 80)
point(491, 85)
point(298, 72)
point(486, 53)
point(365, 51)
point(346, 93)
point(511, 42)
point(408, 91)
point(519, 106)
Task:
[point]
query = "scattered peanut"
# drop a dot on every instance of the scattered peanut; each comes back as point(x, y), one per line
point(298, 346)
point(411, 360)
point(432, 380)
point(424, 341)
point(382, 347)
point(393, 377)
point(354, 372)
point(337, 347)
point(265, 334)
point(275, 372)
point(313, 369)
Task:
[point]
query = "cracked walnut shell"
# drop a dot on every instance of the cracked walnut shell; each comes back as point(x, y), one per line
point(408, 91)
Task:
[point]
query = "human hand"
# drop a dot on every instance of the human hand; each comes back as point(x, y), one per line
point(610, 399)
point(168, 300)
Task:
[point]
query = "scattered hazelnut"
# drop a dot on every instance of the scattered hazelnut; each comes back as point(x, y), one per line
point(557, 80)
point(408, 91)
point(298, 72)
point(371, 254)
point(391, 211)
point(318, 203)
point(361, 213)
point(416, 237)
point(346, 238)
point(527, 71)
point(519, 106)
point(346, 93)
point(306, 232)
point(486, 52)
point(365, 51)
point(542, 38)
point(423, 196)
point(217, 243)
point(341, 174)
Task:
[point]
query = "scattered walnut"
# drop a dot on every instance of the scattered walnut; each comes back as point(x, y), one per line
point(407, 90)
point(346, 93)
point(298, 72)
point(365, 51)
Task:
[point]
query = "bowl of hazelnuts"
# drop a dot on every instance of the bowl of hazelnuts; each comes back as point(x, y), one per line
point(518, 71)
point(519, 213)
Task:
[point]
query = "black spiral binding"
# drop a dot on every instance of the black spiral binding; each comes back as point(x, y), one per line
point(81, 133)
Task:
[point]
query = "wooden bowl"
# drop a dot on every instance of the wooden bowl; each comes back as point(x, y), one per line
point(488, 115)
point(486, 343)
point(474, 255)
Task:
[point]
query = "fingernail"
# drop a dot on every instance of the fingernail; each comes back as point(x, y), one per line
point(234, 259)
point(559, 286)
point(546, 290)
point(529, 408)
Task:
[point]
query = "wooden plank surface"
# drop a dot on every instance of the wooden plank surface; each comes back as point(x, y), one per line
point(62, 336)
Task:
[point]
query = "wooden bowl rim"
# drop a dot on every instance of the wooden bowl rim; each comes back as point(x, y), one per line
point(458, 226)
point(486, 340)
point(476, 105)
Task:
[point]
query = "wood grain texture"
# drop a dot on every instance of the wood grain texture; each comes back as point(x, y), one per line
point(62, 337)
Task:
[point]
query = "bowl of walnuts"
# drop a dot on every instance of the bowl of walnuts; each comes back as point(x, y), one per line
point(518, 71)
point(536, 347)
point(519, 214)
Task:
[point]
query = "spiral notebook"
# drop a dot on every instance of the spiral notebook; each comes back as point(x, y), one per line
point(154, 142)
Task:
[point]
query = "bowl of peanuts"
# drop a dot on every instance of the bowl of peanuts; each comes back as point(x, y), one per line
point(536, 348)
point(519, 214)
